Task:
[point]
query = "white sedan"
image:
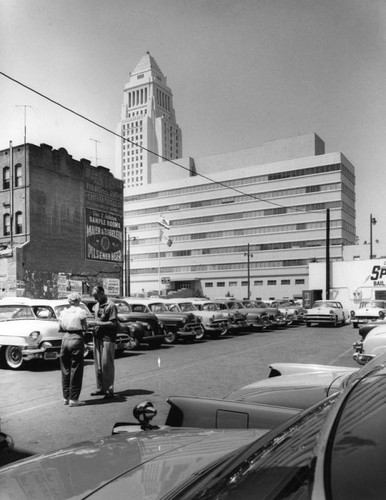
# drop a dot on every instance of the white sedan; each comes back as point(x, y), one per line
point(28, 330)
point(368, 311)
point(330, 312)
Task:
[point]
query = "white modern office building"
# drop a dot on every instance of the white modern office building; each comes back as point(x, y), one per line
point(148, 124)
point(243, 221)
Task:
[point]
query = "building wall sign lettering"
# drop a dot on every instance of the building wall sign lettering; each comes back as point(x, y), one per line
point(377, 274)
point(112, 286)
point(104, 236)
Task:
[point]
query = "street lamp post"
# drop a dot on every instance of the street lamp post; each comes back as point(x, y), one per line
point(373, 221)
point(249, 255)
point(127, 266)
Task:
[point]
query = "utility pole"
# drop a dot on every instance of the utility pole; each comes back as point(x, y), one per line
point(249, 255)
point(328, 285)
point(96, 150)
point(373, 221)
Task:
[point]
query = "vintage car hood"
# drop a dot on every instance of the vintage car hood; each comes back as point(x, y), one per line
point(299, 390)
point(23, 327)
point(143, 465)
point(173, 317)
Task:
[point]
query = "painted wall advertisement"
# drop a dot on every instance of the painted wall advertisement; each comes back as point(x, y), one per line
point(104, 236)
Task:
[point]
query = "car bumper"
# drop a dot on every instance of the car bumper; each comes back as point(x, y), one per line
point(359, 356)
point(319, 319)
point(363, 321)
point(47, 352)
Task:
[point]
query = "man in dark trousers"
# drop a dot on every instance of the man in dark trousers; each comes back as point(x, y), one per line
point(105, 332)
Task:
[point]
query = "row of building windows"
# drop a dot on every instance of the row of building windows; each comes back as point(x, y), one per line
point(285, 228)
point(18, 176)
point(222, 284)
point(163, 99)
point(136, 97)
point(238, 182)
point(264, 247)
point(226, 267)
point(253, 214)
point(237, 199)
point(18, 229)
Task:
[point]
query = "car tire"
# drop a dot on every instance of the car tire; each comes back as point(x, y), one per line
point(11, 357)
point(201, 334)
point(170, 337)
point(308, 324)
point(335, 322)
point(224, 332)
point(132, 344)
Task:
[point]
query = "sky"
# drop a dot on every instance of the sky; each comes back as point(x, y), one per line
point(241, 72)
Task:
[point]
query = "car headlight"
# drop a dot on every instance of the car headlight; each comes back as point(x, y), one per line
point(331, 311)
point(381, 314)
point(33, 336)
point(352, 314)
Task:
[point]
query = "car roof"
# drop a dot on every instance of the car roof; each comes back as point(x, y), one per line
point(32, 302)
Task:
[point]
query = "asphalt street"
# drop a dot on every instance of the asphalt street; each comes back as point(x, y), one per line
point(31, 405)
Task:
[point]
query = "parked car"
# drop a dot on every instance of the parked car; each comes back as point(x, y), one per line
point(176, 326)
point(28, 330)
point(180, 325)
point(293, 313)
point(143, 327)
point(179, 305)
point(368, 311)
point(370, 345)
point(289, 386)
point(333, 450)
point(326, 312)
point(236, 316)
point(258, 312)
point(214, 319)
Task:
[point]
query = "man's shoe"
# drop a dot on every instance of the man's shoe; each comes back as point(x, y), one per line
point(65, 401)
point(76, 402)
point(109, 395)
point(97, 393)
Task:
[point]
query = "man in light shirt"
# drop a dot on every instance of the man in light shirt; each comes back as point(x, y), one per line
point(73, 323)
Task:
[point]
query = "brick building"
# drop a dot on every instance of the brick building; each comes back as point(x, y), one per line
point(61, 227)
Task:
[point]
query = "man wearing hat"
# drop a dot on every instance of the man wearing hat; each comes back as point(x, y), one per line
point(73, 322)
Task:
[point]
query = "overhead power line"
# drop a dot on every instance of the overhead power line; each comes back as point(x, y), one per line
point(83, 117)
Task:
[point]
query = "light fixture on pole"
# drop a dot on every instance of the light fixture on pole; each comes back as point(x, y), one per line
point(163, 224)
point(128, 239)
point(249, 255)
point(373, 221)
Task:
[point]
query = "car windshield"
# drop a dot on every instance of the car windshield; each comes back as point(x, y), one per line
point(62, 307)
point(158, 307)
point(122, 307)
point(276, 465)
point(358, 444)
point(325, 303)
point(373, 303)
point(187, 306)
point(375, 364)
point(211, 307)
point(16, 311)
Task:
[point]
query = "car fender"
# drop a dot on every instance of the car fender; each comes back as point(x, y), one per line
point(223, 414)
point(277, 369)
